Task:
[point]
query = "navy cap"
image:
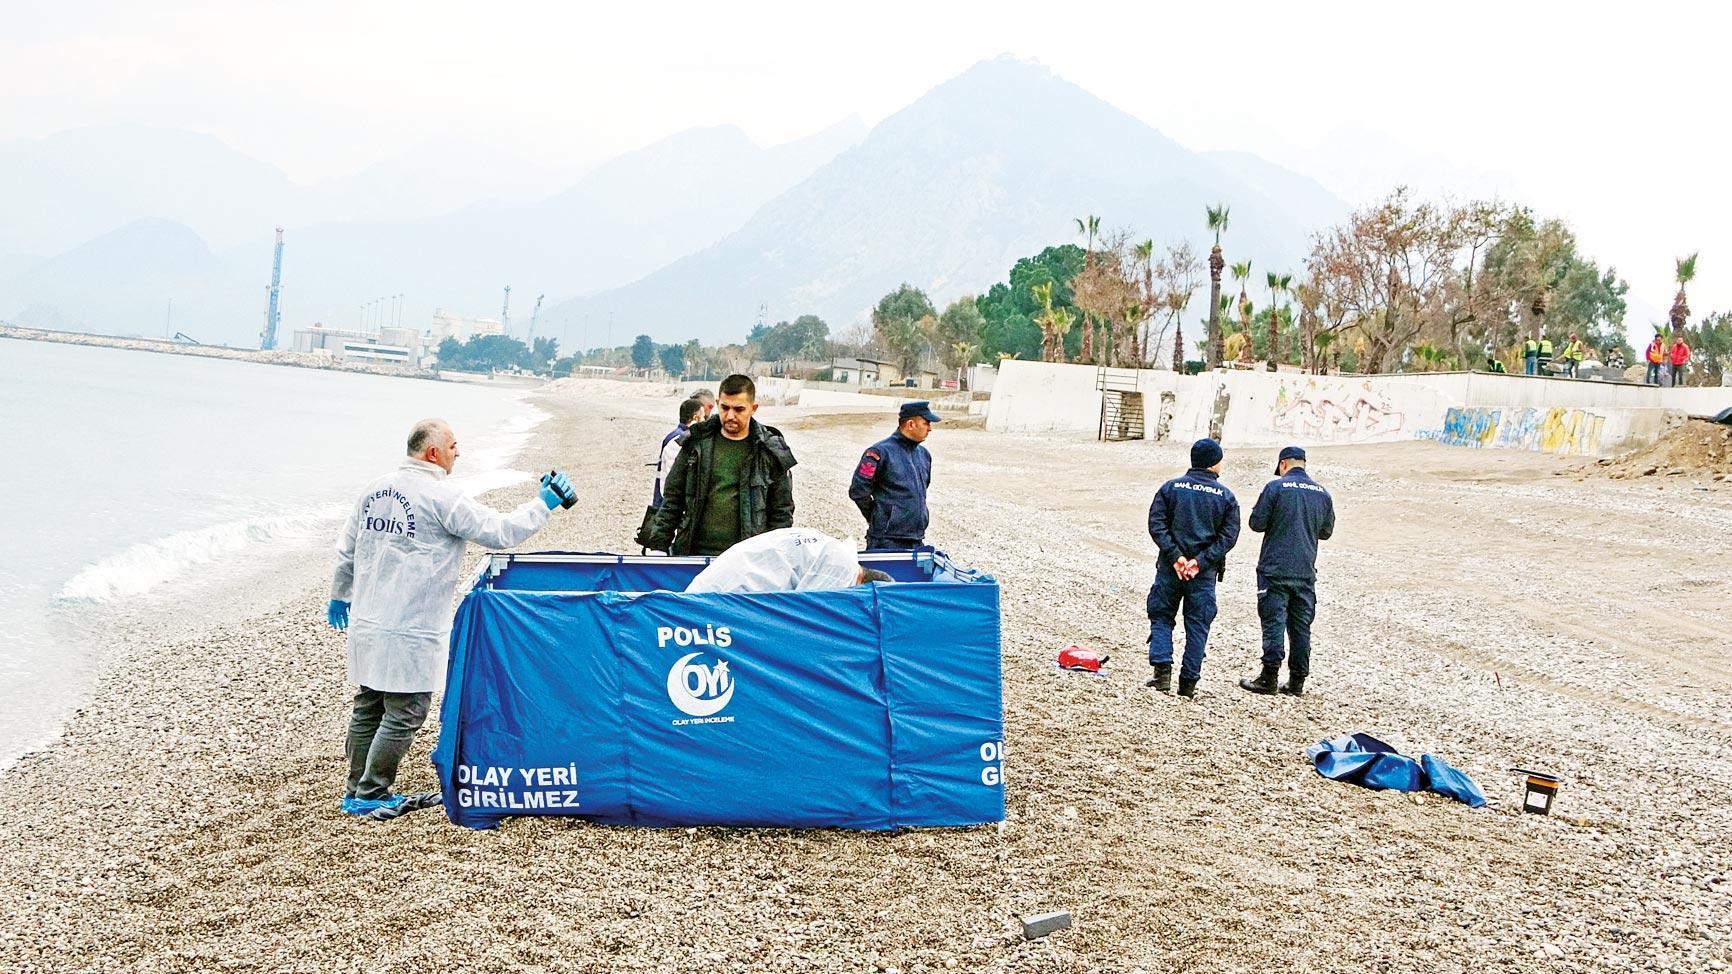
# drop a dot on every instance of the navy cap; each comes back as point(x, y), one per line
point(921, 409)
point(1289, 453)
point(1205, 453)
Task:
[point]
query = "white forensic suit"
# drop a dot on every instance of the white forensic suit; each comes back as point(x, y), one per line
point(398, 562)
point(783, 560)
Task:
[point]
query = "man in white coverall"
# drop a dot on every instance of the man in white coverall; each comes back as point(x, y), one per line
point(397, 563)
point(785, 560)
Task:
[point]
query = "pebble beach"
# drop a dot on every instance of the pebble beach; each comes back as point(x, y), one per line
point(1498, 609)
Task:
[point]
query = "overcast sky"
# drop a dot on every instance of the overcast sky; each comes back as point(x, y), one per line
point(1612, 118)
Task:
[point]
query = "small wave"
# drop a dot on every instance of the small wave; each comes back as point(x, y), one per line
point(503, 442)
point(143, 567)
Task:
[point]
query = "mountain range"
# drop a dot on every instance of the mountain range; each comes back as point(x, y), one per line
point(684, 238)
point(947, 194)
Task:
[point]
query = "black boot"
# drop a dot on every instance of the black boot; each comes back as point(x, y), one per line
point(1265, 681)
point(1294, 687)
point(1188, 687)
point(1162, 680)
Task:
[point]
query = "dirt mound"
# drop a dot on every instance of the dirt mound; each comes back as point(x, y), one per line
point(1697, 448)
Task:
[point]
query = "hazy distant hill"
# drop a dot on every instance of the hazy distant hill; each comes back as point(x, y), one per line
point(60, 191)
point(948, 193)
point(623, 219)
point(141, 267)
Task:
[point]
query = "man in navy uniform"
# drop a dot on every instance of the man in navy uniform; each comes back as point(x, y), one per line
point(1194, 521)
point(1293, 513)
point(889, 485)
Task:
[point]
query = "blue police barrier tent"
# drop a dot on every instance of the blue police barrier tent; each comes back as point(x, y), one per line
point(593, 686)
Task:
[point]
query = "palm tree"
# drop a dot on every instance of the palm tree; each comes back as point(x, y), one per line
point(1680, 307)
point(1217, 226)
point(1043, 295)
point(1278, 284)
point(1088, 227)
point(1054, 324)
point(1308, 299)
point(1241, 274)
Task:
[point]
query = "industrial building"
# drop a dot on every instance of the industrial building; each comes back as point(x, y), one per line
point(455, 326)
point(392, 346)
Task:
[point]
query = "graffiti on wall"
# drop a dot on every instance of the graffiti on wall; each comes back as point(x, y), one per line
point(1568, 432)
point(1334, 411)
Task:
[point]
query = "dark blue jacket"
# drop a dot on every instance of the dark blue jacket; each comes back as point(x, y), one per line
point(1195, 516)
point(889, 487)
point(1294, 513)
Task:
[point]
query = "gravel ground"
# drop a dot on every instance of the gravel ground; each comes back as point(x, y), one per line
point(1487, 606)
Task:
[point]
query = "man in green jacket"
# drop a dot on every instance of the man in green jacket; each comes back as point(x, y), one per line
point(732, 480)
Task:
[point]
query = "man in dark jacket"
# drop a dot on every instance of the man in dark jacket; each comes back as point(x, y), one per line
point(731, 480)
point(1194, 521)
point(1294, 512)
point(889, 485)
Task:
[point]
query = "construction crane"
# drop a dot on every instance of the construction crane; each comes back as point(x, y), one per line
point(505, 313)
point(268, 340)
point(535, 316)
point(181, 336)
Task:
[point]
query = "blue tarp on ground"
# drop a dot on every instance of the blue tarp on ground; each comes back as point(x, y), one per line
point(576, 688)
point(1363, 760)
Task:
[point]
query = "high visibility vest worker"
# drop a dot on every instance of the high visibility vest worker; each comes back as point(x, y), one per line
point(1530, 348)
point(1656, 352)
point(1545, 348)
point(1573, 351)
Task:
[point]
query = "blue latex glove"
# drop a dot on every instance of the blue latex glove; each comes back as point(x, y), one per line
point(552, 487)
point(337, 614)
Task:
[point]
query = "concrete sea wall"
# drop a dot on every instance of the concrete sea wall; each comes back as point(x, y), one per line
point(1264, 409)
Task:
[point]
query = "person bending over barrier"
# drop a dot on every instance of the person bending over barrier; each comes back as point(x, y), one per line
point(397, 563)
point(1293, 513)
point(1194, 521)
point(786, 560)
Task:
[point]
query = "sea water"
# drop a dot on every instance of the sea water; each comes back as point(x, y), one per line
point(130, 481)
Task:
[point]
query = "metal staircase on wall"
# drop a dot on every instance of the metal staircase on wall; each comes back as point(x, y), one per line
point(1121, 404)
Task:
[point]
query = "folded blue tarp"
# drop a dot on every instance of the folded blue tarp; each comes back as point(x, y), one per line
point(1364, 760)
point(575, 688)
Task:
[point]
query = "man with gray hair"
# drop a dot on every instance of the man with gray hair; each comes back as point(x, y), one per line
point(397, 563)
point(707, 399)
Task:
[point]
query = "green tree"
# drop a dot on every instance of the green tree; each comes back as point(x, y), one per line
point(694, 357)
point(542, 352)
point(483, 353)
point(1711, 347)
point(643, 352)
point(1531, 263)
point(449, 353)
point(1010, 309)
point(896, 323)
point(673, 358)
point(1217, 225)
point(805, 337)
point(957, 333)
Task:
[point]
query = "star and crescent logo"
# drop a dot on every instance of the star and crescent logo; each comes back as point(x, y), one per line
point(699, 690)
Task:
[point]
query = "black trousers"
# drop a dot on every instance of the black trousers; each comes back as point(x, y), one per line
point(1286, 608)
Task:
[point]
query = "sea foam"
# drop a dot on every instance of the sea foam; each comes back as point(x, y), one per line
point(143, 567)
